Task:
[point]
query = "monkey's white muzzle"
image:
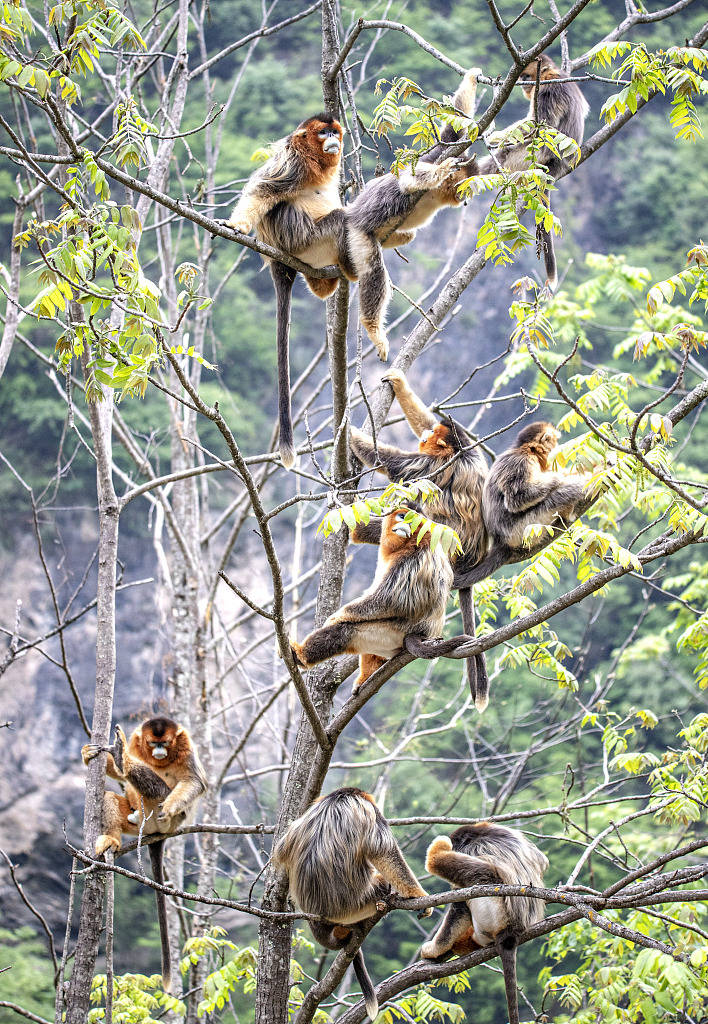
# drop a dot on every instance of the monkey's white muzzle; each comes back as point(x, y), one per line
point(403, 530)
point(331, 145)
point(425, 436)
point(158, 753)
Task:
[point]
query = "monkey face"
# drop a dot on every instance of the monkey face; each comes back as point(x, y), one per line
point(436, 442)
point(320, 138)
point(544, 67)
point(158, 739)
point(400, 527)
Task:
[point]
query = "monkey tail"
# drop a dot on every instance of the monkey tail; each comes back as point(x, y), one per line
point(366, 984)
point(283, 278)
point(495, 559)
point(476, 667)
point(157, 873)
point(508, 959)
point(545, 245)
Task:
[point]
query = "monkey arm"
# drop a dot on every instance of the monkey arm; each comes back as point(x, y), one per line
point(464, 100)
point(391, 864)
point(394, 462)
point(366, 533)
point(185, 792)
point(91, 750)
point(418, 415)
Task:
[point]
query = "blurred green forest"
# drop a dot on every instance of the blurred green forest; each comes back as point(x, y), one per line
point(644, 198)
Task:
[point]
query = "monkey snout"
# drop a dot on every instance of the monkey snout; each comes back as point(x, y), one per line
point(159, 753)
point(331, 145)
point(403, 530)
point(425, 436)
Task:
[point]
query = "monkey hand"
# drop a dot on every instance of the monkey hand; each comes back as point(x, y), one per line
point(244, 226)
point(120, 745)
point(89, 751)
point(426, 912)
point(396, 378)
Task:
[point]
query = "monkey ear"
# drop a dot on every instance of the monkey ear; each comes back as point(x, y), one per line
point(301, 131)
point(442, 443)
point(180, 730)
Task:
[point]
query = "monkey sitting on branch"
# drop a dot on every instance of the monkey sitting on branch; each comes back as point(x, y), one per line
point(450, 457)
point(559, 105)
point(487, 854)
point(521, 490)
point(408, 597)
point(342, 861)
point(293, 204)
point(163, 779)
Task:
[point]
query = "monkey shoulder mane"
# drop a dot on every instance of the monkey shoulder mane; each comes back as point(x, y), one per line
point(325, 854)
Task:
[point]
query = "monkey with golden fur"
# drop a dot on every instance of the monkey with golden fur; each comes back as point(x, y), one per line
point(560, 105)
point(342, 861)
point(293, 203)
point(522, 490)
point(486, 854)
point(408, 597)
point(450, 457)
point(163, 778)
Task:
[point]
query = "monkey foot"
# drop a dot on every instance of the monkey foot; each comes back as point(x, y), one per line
point(105, 842)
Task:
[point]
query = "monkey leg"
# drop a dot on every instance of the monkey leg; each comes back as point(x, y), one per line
point(322, 287)
point(115, 822)
point(456, 925)
point(374, 288)
point(368, 663)
point(324, 643)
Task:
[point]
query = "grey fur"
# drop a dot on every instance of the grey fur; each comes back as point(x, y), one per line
point(488, 854)
point(519, 491)
point(560, 105)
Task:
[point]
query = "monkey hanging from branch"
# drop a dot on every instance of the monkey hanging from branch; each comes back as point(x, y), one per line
point(559, 105)
point(451, 458)
point(522, 490)
point(393, 206)
point(342, 861)
point(163, 778)
point(407, 598)
point(293, 203)
point(486, 854)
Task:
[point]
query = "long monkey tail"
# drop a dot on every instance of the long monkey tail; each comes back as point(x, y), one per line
point(366, 984)
point(508, 959)
point(283, 278)
point(545, 245)
point(476, 667)
point(157, 873)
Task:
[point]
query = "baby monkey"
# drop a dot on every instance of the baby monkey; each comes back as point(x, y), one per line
point(342, 861)
point(408, 597)
point(162, 776)
point(522, 490)
point(486, 854)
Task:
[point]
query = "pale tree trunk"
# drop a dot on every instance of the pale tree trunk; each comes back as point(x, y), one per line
point(101, 416)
